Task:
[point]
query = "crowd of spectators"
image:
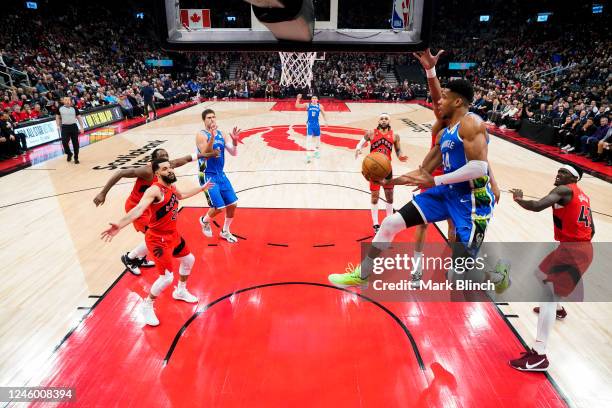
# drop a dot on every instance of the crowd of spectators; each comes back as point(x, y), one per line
point(555, 74)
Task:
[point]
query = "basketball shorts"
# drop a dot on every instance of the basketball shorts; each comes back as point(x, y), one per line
point(313, 129)
point(140, 224)
point(565, 266)
point(222, 194)
point(376, 187)
point(163, 247)
point(469, 209)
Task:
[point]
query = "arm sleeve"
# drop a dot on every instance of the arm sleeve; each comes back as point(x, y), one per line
point(361, 143)
point(472, 170)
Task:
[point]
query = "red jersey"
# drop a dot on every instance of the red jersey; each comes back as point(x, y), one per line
point(382, 143)
point(140, 186)
point(573, 222)
point(164, 212)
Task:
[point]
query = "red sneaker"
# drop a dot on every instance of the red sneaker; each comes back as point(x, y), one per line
point(561, 314)
point(530, 361)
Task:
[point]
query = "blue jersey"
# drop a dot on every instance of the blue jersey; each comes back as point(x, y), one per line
point(313, 114)
point(213, 165)
point(453, 157)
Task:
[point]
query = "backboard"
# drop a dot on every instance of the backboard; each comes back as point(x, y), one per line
point(306, 25)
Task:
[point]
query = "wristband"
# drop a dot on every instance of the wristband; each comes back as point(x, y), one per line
point(431, 72)
point(194, 157)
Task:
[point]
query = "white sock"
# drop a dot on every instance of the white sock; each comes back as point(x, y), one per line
point(227, 223)
point(559, 307)
point(139, 252)
point(206, 218)
point(149, 300)
point(374, 214)
point(389, 209)
point(546, 319)
point(182, 285)
point(418, 257)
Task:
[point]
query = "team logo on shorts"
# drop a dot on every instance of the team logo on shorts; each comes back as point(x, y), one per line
point(158, 252)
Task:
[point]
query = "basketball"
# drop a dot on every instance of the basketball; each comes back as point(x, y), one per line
point(375, 166)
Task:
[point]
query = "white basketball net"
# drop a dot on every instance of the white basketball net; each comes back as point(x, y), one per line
point(297, 68)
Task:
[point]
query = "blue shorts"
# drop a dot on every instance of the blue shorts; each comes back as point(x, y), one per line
point(313, 129)
point(222, 194)
point(470, 210)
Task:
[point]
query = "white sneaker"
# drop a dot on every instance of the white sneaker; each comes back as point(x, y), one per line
point(206, 230)
point(416, 280)
point(148, 312)
point(567, 146)
point(184, 295)
point(228, 237)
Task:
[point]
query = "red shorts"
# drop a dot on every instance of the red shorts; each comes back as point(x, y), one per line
point(437, 172)
point(565, 266)
point(140, 223)
point(163, 247)
point(376, 187)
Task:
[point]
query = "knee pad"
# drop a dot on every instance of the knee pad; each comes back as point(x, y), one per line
point(186, 264)
point(162, 282)
point(389, 228)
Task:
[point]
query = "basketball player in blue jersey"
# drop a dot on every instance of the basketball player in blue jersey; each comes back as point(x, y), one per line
point(463, 193)
point(312, 124)
point(222, 195)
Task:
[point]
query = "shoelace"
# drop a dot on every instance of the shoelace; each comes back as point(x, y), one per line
point(351, 269)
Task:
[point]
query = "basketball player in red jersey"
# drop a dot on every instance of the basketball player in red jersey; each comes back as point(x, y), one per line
point(381, 140)
point(563, 268)
point(136, 258)
point(162, 237)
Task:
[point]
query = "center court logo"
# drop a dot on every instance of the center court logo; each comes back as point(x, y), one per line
point(283, 137)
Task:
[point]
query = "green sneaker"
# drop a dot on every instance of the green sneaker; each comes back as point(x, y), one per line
point(352, 277)
point(502, 269)
point(317, 155)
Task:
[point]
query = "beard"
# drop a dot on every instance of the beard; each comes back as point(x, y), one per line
point(169, 179)
point(385, 127)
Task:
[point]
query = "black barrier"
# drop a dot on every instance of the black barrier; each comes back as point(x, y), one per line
point(538, 132)
point(101, 116)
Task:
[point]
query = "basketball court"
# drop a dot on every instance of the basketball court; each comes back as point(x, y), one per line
point(269, 329)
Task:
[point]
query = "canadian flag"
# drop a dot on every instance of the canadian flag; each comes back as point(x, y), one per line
point(195, 18)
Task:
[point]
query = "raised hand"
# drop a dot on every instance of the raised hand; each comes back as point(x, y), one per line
point(403, 158)
point(427, 59)
point(235, 134)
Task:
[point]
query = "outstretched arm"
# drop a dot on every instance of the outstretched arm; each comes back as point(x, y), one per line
point(559, 194)
point(149, 196)
point(232, 146)
point(144, 172)
point(184, 194)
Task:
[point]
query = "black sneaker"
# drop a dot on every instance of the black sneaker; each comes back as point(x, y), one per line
point(376, 228)
point(131, 265)
point(145, 263)
point(69, 158)
point(76, 161)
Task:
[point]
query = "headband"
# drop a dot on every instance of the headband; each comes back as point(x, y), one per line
point(572, 170)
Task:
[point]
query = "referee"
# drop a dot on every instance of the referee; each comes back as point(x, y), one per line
point(67, 121)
